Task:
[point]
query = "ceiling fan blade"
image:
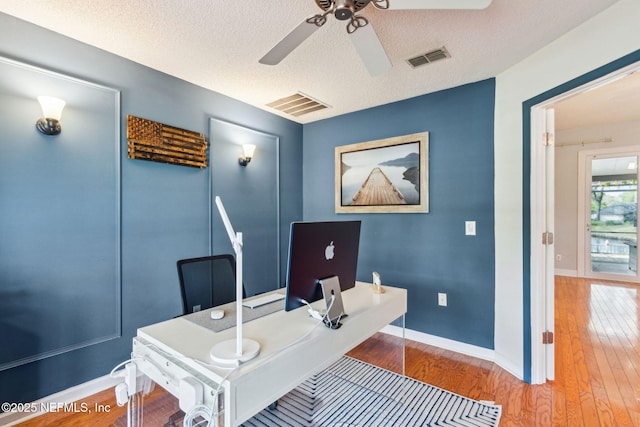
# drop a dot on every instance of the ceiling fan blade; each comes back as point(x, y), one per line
point(370, 49)
point(438, 4)
point(289, 43)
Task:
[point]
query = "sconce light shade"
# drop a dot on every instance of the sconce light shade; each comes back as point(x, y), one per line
point(247, 154)
point(52, 107)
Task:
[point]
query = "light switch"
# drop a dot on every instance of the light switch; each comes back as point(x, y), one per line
point(470, 228)
point(442, 299)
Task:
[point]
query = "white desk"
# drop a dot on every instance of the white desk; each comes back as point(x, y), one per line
point(166, 351)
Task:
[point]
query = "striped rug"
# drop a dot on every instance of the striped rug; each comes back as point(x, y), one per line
point(354, 393)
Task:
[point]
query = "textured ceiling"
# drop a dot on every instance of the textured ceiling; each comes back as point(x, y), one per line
point(216, 44)
point(615, 102)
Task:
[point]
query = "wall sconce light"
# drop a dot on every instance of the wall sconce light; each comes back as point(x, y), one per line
point(247, 154)
point(52, 107)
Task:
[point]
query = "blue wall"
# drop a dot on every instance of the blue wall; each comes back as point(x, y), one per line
point(425, 253)
point(165, 209)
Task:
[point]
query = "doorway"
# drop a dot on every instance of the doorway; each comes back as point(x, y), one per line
point(542, 267)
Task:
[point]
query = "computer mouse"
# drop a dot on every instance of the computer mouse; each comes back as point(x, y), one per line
point(217, 314)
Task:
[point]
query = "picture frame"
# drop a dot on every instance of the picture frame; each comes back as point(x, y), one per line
point(383, 176)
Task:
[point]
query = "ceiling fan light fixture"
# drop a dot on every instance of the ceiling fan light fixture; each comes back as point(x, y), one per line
point(344, 9)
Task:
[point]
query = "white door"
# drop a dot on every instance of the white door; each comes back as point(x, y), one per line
point(542, 249)
point(549, 279)
point(608, 214)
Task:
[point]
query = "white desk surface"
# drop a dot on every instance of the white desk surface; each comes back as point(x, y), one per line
point(293, 346)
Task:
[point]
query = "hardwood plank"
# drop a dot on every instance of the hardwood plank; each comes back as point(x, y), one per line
point(543, 408)
point(558, 407)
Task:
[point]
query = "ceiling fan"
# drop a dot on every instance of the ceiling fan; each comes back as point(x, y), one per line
point(359, 29)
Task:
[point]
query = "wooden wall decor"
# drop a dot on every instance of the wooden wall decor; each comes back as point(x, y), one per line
point(157, 142)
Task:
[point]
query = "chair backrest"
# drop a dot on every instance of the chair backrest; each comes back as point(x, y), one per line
point(207, 282)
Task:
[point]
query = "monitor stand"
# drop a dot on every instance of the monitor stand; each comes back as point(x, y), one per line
point(335, 310)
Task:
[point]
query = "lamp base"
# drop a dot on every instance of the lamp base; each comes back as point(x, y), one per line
point(49, 126)
point(225, 351)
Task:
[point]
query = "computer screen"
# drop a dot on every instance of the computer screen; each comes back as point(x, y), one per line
point(318, 250)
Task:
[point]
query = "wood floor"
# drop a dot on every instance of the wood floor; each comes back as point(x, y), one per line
point(597, 366)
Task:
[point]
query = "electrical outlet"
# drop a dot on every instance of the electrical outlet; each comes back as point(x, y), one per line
point(558, 257)
point(470, 228)
point(442, 299)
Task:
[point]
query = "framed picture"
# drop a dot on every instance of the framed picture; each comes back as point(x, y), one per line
point(385, 176)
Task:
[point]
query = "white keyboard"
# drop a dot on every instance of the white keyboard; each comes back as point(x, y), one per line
point(262, 300)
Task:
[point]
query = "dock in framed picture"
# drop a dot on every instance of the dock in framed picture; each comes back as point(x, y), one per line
point(383, 176)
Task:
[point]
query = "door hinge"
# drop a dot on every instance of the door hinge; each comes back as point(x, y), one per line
point(547, 337)
point(548, 139)
point(547, 238)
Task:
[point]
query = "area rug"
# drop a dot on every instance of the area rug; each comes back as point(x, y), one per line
point(354, 393)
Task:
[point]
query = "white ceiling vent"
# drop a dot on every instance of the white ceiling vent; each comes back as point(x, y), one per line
point(429, 57)
point(297, 105)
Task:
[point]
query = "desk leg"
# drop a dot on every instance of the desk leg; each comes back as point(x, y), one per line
point(404, 361)
point(134, 410)
point(404, 347)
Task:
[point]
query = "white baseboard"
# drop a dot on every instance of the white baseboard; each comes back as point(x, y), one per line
point(457, 346)
point(505, 364)
point(58, 400)
point(447, 344)
point(564, 272)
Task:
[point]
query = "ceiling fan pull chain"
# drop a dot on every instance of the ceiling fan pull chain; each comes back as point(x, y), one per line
point(380, 4)
point(356, 22)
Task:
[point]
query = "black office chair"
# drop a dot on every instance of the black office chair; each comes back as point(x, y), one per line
point(207, 282)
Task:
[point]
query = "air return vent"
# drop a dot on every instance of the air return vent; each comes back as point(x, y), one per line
point(297, 105)
point(429, 57)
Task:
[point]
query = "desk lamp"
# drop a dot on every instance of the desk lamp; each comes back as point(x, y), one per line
point(238, 350)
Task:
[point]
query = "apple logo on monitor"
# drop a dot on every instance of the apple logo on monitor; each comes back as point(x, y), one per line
point(328, 252)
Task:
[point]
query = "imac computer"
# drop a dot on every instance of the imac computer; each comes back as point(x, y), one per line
point(318, 251)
